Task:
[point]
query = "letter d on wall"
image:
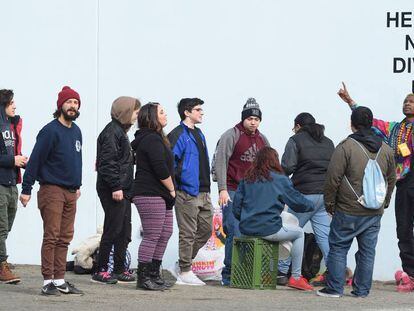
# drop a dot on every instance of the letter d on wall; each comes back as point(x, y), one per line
point(396, 61)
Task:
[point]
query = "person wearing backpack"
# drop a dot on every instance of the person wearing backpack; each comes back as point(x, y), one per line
point(234, 155)
point(399, 136)
point(359, 183)
point(306, 158)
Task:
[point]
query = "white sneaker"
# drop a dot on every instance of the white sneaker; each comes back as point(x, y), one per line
point(189, 278)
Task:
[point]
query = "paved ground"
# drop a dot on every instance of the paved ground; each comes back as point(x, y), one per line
point(26, 296)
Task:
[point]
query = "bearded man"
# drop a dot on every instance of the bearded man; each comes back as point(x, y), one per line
point(56, 163)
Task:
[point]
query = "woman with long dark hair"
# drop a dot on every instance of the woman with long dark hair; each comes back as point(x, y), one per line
point(154, 193)
point(258, 202)
point(306, 158)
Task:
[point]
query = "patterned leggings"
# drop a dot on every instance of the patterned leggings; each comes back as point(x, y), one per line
point(157, 223)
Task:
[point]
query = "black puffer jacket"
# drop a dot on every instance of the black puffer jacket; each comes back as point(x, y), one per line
point(307, 160)
point(114, 160)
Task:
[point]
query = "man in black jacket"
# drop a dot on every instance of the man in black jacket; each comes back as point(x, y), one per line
point(114, 164)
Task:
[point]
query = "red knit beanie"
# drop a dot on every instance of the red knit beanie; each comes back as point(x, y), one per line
point(65, 94)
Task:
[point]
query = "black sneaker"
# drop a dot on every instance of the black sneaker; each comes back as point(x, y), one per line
point(104, 278)
point(282, 279)
point(50, 290)
point(354, 294)
point(68, 288)
point(124, 277)
point(326, 292)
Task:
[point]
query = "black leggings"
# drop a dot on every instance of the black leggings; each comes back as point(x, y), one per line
point(116, 231)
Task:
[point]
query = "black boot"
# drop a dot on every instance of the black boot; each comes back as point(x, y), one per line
point(155, 274)
point(143, 278)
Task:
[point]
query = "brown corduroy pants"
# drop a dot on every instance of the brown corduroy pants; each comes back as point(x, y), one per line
point(57, 207)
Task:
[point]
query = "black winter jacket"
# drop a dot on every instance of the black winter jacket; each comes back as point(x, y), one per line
point(308, 161)
point(155, 162)
point(114, 160)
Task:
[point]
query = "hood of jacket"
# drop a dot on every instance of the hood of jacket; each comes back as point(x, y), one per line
point(242, 129)
point(122, 109)
point(369, 139)
point(3, 117)
point(140, 135)
point(6, 122)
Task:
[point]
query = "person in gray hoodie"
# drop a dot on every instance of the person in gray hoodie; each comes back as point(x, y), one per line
point(234, 155)
point(11, 160)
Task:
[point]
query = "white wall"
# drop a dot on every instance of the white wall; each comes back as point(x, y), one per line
point(290, 56)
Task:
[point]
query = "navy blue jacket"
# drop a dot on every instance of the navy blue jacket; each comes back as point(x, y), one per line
point(10, 145)
point(258, 205)
point(186, 159)
point(56, 158)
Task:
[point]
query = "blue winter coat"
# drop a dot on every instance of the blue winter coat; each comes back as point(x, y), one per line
point(186, 159)
point(258, 205)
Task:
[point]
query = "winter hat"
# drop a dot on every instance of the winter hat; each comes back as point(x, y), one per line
point(65, 94)
point(122, 109)
point(251, 108)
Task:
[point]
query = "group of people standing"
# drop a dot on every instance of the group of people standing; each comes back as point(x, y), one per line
point(173, 171)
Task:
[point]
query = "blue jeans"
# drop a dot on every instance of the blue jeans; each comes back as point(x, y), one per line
point(344, 228)
point(231, 229)
point(296, 235)
point(320, 221)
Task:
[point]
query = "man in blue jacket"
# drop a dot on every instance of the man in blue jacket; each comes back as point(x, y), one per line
point(56, 162)
point(193, 207)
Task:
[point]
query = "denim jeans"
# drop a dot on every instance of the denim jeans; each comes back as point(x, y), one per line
point(344, 228)
point(320, 221)
point(231, 229)
point(296, 235)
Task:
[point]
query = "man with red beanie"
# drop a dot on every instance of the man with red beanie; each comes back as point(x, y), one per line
point(234, 155)
point(56, 162)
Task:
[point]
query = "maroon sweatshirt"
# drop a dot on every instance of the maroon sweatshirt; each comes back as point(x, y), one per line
point(245, 151)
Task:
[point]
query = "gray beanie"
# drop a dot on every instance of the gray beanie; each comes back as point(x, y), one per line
point(251, 108)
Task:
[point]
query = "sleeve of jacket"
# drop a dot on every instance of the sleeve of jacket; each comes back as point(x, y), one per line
point(294, 199)
point(391, 178)
point(224, 151)
point(334, 176)
point(109, 166)
point(238, 200)
point(265, 140)
point(177, 145)
point(43, 146)
point(290, 157)
point(155, 153)
point(381, 127)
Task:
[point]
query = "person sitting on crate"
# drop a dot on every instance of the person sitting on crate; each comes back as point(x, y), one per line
point(258, 202)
